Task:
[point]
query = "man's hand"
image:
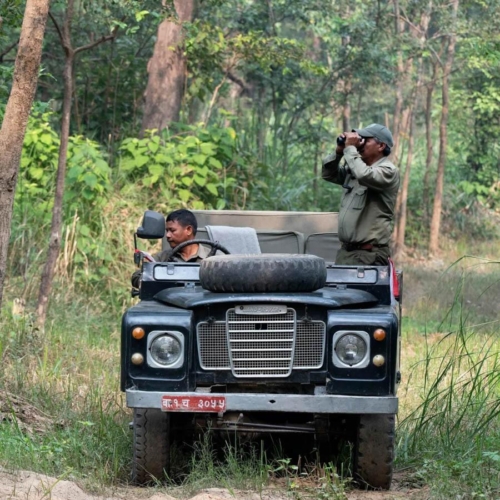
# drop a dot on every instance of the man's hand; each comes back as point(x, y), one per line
point(353, 139)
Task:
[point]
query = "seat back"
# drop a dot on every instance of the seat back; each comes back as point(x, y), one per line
point(323, 245)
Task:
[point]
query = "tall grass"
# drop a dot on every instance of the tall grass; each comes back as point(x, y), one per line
point(62, 411)
point(450, 435)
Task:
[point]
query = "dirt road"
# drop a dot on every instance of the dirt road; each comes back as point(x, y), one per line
point(31, 486)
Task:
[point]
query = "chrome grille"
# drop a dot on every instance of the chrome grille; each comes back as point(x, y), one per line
point(261, 345)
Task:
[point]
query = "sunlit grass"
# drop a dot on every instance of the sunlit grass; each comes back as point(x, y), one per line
point(449, 421)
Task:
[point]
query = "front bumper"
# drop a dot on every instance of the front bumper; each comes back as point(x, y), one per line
point(292, 403)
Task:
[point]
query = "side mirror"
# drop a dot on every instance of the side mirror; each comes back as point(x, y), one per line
point(153, 226)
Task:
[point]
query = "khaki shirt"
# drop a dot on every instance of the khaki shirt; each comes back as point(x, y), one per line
point(367, 208)
point(201, 254)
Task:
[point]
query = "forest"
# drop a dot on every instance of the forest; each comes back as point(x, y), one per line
point(111, 107)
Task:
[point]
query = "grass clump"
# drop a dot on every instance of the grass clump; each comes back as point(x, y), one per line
point(450, 436)
point(61, 410)
point(251, 466)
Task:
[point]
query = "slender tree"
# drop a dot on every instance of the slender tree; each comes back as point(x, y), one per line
point(443, 137)
point(420, 33)
point(167, 70)
point(16, 116)
point(70, 53)
point(428, 137)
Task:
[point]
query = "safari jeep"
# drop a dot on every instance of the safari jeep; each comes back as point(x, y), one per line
point(281, 341)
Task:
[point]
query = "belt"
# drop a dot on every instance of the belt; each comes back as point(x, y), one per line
point(361, 246)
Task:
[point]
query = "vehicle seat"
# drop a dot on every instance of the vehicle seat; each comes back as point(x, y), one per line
point(238, 240)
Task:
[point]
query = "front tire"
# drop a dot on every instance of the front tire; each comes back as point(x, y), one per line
point(374, 451)
point(151, 459)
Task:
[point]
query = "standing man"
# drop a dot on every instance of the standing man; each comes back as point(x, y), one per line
point(181, 226)
point(371, 182)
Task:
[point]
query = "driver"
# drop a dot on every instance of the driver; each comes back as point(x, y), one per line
point(181, 226)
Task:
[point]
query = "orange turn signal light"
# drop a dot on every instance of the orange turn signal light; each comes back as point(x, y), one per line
point(379, 334)
point(138, 333)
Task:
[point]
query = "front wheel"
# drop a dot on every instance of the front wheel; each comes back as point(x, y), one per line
point(374, 451)
point(151, 445)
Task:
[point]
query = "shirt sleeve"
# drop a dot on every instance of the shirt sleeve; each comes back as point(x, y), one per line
point(376, 177)
point(332, 170)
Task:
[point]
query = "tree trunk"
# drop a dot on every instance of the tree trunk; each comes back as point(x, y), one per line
point(401, 212)
point(428, 138)
point(401, 220)
point(56, 224)
point(57, 211)
point(16, 116)
point(167, 71)
point(398, 106)
point(438, 196)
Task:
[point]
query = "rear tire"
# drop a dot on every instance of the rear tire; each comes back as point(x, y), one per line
point(263, 273)
point(151, 446)
point(374, 451)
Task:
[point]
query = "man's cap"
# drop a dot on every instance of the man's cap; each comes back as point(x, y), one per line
point(383, 134)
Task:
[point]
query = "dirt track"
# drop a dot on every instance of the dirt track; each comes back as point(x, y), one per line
point(31, 486)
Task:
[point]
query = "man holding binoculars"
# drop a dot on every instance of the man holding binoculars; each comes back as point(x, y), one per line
point(371, 182)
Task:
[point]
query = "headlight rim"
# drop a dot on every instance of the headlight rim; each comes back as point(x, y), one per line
point(365, 336)
point(160, 333)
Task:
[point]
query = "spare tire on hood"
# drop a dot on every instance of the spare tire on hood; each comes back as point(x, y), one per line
point(272, 272)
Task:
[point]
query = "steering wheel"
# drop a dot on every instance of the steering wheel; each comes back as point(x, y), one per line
point(214, 244)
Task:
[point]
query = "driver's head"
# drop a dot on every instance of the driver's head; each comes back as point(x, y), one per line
point(181, 227)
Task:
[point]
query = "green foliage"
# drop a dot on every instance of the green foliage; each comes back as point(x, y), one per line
point(87, 187)
point(193, 167)
point(87, 173)
point(11, 13)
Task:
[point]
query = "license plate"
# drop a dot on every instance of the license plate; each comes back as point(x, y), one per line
point(201, 404)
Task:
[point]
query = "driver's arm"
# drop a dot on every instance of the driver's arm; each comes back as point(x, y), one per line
point(137, 274)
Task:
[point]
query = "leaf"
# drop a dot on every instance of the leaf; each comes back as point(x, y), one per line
point(187, 181)
point(90, 179)
point(199, 159)
point(156, 170)
point(201, 181)
point(212, 188)
point(36, 172)
point(46, 139)
point(162, 158)
point(127, 164)
point(208, 148)
point(141, 160)
point(184, 195)
point(215, 163)
point(221, 204)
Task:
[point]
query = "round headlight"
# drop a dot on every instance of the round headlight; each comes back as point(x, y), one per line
point(166, 350)
point(351, 349)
